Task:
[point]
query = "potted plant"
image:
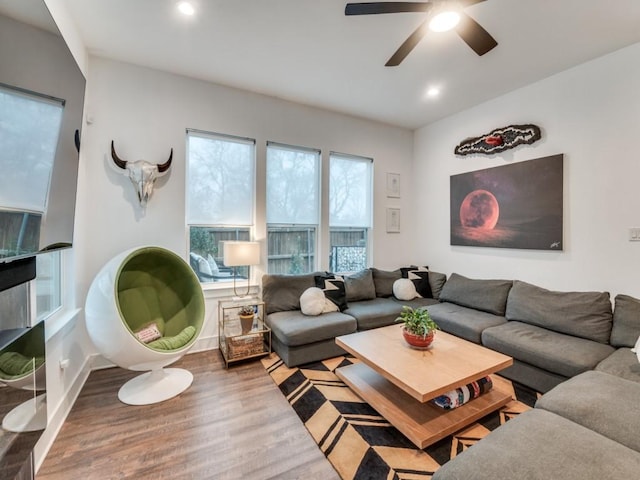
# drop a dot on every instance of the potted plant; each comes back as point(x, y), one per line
point(419, 328)
point(246, 314)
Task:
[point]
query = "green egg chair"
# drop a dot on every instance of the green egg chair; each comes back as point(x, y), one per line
point(22, 366)
point(138, 295)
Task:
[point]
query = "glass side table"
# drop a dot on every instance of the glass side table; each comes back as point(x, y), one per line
point(237, 343)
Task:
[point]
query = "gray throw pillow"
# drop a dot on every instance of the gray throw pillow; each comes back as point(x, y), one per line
point(360, 286)
point(626, 321)
point(437, 280)
point(383, 281)
point(485, 295)
point(281, 293)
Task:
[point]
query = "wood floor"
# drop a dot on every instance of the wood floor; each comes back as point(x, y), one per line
point(230, 424)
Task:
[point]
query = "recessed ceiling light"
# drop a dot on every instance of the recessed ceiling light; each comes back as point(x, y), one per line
point(186, 8)
point(433, 92)
point(444, 21)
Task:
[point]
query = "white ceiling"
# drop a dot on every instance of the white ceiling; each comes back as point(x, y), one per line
point(308, 51)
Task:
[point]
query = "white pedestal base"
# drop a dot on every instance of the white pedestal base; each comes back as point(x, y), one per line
point(29, 416)
point(155, 386)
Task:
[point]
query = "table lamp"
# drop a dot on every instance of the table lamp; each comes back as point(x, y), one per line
point(241, 254)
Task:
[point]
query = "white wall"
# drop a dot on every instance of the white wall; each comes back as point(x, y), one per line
point(591, 114)
point(60, 13)
point(146, 112)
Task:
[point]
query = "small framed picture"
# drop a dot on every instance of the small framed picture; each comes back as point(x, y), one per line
point(393, 185)
point(393, 220)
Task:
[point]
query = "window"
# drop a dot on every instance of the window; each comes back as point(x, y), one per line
point(350, 212)
point(220, 199)
point(48, 284)
point(293, 199)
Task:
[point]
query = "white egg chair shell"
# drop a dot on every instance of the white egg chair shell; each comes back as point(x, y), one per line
point(111, 325)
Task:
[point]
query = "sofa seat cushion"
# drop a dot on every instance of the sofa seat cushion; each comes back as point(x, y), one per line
point(581, 314)
point(374, 313)
point(293, 328)
point(600, 402)
point(464, 322)
point(546, 349)
point(539, 445)
point(622, 363)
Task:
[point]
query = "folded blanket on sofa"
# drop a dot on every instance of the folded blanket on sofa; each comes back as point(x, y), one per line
point(462, 395)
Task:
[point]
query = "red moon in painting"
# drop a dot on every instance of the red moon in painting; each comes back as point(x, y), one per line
point(479, 209)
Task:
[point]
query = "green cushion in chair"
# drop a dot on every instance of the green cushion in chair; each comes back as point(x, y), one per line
point(156, 286)
point(175, 342)
point(14, 365)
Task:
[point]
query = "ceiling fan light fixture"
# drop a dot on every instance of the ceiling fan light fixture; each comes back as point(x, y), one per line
point(444, 21)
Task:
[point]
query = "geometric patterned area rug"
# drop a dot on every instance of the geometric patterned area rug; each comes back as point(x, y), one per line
point(359, 443)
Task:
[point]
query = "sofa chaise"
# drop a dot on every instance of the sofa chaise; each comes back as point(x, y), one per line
point(299, 338)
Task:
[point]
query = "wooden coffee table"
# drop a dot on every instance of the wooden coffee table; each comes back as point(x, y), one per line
point(398, 381)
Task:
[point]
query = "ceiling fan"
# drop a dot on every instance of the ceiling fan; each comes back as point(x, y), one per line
point(467, 28)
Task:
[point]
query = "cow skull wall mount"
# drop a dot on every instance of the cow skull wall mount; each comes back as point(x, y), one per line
point(143, 175)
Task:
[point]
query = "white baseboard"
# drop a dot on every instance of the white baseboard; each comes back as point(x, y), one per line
point(59, 415)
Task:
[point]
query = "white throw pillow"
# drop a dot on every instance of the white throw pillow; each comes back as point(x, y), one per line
point(312, 301)
point(404, 289)
point(203, 265)
point(329, 306)
point(212, 264)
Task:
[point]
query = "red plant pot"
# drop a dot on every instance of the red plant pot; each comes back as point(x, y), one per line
point(418, 341)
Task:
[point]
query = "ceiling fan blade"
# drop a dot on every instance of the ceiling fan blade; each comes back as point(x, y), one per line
point(372, 8)
point(468, 3)
point(474, 35)
point(408, 45)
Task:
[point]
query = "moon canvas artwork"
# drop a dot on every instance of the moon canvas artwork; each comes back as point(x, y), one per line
point(512, 206)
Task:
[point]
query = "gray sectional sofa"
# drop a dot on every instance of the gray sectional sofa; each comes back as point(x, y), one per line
point(572, 346)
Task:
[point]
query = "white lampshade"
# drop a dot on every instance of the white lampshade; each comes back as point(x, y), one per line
point(240, 254)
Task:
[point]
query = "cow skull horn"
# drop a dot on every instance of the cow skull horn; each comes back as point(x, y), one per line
point(116, 159)
point(163, 167)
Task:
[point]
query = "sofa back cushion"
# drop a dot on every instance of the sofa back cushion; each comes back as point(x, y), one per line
point(626, 321)
point(485, 295)
point(581, 314)
point(360, 286)
point(281, 293)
